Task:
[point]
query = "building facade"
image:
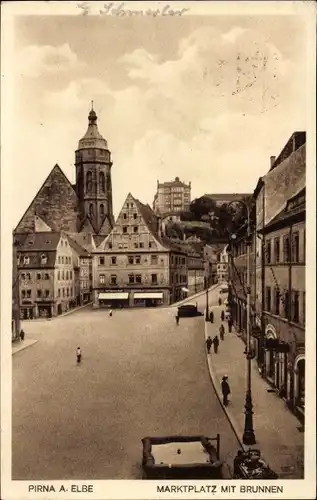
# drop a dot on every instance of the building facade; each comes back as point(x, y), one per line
point(196, 273)
point(211, 260)
point(82, 263)
point(135, 265)
point(46, 275)
point(172, 197)
point(222, 266)
point(284, 302)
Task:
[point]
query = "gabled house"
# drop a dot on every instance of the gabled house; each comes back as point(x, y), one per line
point(136, 265)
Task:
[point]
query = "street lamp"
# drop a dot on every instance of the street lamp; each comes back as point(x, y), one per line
point(248, 434)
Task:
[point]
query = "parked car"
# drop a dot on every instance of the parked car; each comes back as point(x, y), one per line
point(188, 310)
point(223, 290)
point(181, 457)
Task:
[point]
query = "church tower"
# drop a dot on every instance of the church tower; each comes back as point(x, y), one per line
point(93, 180)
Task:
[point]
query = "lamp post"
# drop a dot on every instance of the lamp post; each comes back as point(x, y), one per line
point(207, 297)
point(248, 434)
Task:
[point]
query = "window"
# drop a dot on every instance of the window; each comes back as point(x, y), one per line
point(67, 275)
point(150, 244)
point(91, 210)
point(102, 209)
point(88, 181)
point(67, 292)
point(70, 275)
point(102, 182)
point(137, 259)
point(47, 293)
point(295, 306)
point(295, 247)
point(286, 249)
point(101, 278)
point(63, 292)
point(28, 276)
point(26, 260)
point(23, 276)
point(277, 301)
point(154, 279)
point(136, 245)
point(125, 229)
point(135, 229)
point(101, 261)
point(59, 275)
point(113, 260)
point(135, 216)
point(154, 259)
point(268, 252)
point(43, 259)
point(268, 298)
point(39, 293)
point(125, 216)
point(304, 308)
point(63, 275)
point(138, 278)
point(113, 279)
point(131, 279)
point(59, 259)
point(130, 259)
point(46, 276)
point(286, 305)
point(277, 250)
point(28, 294)
point(141, 245)
point(110, 245)
point(23, 294)
point(38, 276)
point(62, 260)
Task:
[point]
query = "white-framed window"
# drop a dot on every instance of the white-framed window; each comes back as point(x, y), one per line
point(26, 260)
point(102, 278)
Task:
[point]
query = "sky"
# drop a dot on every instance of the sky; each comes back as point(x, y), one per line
point(206, 98)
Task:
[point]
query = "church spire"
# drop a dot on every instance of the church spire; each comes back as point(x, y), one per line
point(92, 138)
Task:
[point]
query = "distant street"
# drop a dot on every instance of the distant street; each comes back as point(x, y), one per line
point(141, 375)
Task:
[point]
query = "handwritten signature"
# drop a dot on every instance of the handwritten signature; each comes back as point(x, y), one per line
point(113, 9)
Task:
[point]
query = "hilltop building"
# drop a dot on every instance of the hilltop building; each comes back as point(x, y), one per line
point(171, 198)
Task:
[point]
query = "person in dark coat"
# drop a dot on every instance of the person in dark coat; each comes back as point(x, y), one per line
point(215, 343)
point(225, 389)
point(211, 317)
point(208, 343)
point(229, 325)
point(22, 335)
point(177, 318)
point(219, 301)
point(78, 354)
point(222, 332)
point(222, 315)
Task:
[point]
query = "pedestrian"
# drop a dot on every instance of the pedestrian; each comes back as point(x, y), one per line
point(211, 317)
point(110, 313)
point(225, 388)
point(177, 319)
point(208, 343)
point(230, 325)
point(78, 354)
point(222, 315)
point(22, 335)
point(219, 301)
point(215, 343)
point(222, 332)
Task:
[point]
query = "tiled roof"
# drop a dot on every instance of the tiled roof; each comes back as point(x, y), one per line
point(43, 241)
point(35, 260)
point(81, 251)
point(287, 213)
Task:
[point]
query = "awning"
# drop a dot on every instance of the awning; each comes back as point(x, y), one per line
point(185, 290)
point(149, 295)
point(113, 296)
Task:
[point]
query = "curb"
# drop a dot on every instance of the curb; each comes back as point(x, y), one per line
point(215, 382)
point(71, 311)
point(22, 347)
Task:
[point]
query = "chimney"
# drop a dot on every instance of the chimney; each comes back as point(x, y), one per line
point(272, 160)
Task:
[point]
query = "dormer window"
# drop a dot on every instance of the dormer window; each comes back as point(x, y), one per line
point(43, 259)
point(26, 260)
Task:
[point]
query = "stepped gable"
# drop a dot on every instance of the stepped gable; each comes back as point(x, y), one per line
point(56, 204)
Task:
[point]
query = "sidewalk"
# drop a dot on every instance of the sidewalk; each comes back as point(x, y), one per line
point(192, 297)
point(19, 346)
point(71, 311)
point(275, 427)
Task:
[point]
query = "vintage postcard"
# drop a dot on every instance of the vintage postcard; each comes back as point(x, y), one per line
point(158, 250)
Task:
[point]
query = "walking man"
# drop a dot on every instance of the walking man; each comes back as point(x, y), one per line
point(208, 344)
point(222, 332)
point(225, 388)
point(177, 319)
point(216, 343)
point(219, 301)
point(222, 315)
point(110, 313)
point(230, 325)
point(22, 335)
point(211, 317)
point(78, 354)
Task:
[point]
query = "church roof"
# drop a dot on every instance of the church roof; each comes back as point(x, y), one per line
point(92, 138)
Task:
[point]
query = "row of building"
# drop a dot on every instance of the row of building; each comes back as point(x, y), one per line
point(277, 274)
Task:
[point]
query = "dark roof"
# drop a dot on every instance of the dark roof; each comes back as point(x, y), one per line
point(175, 182)
point(82, 252)
point(35, 260)
point(228, 196)
point(36, 242)
point(296, 140)
point(288, 212)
